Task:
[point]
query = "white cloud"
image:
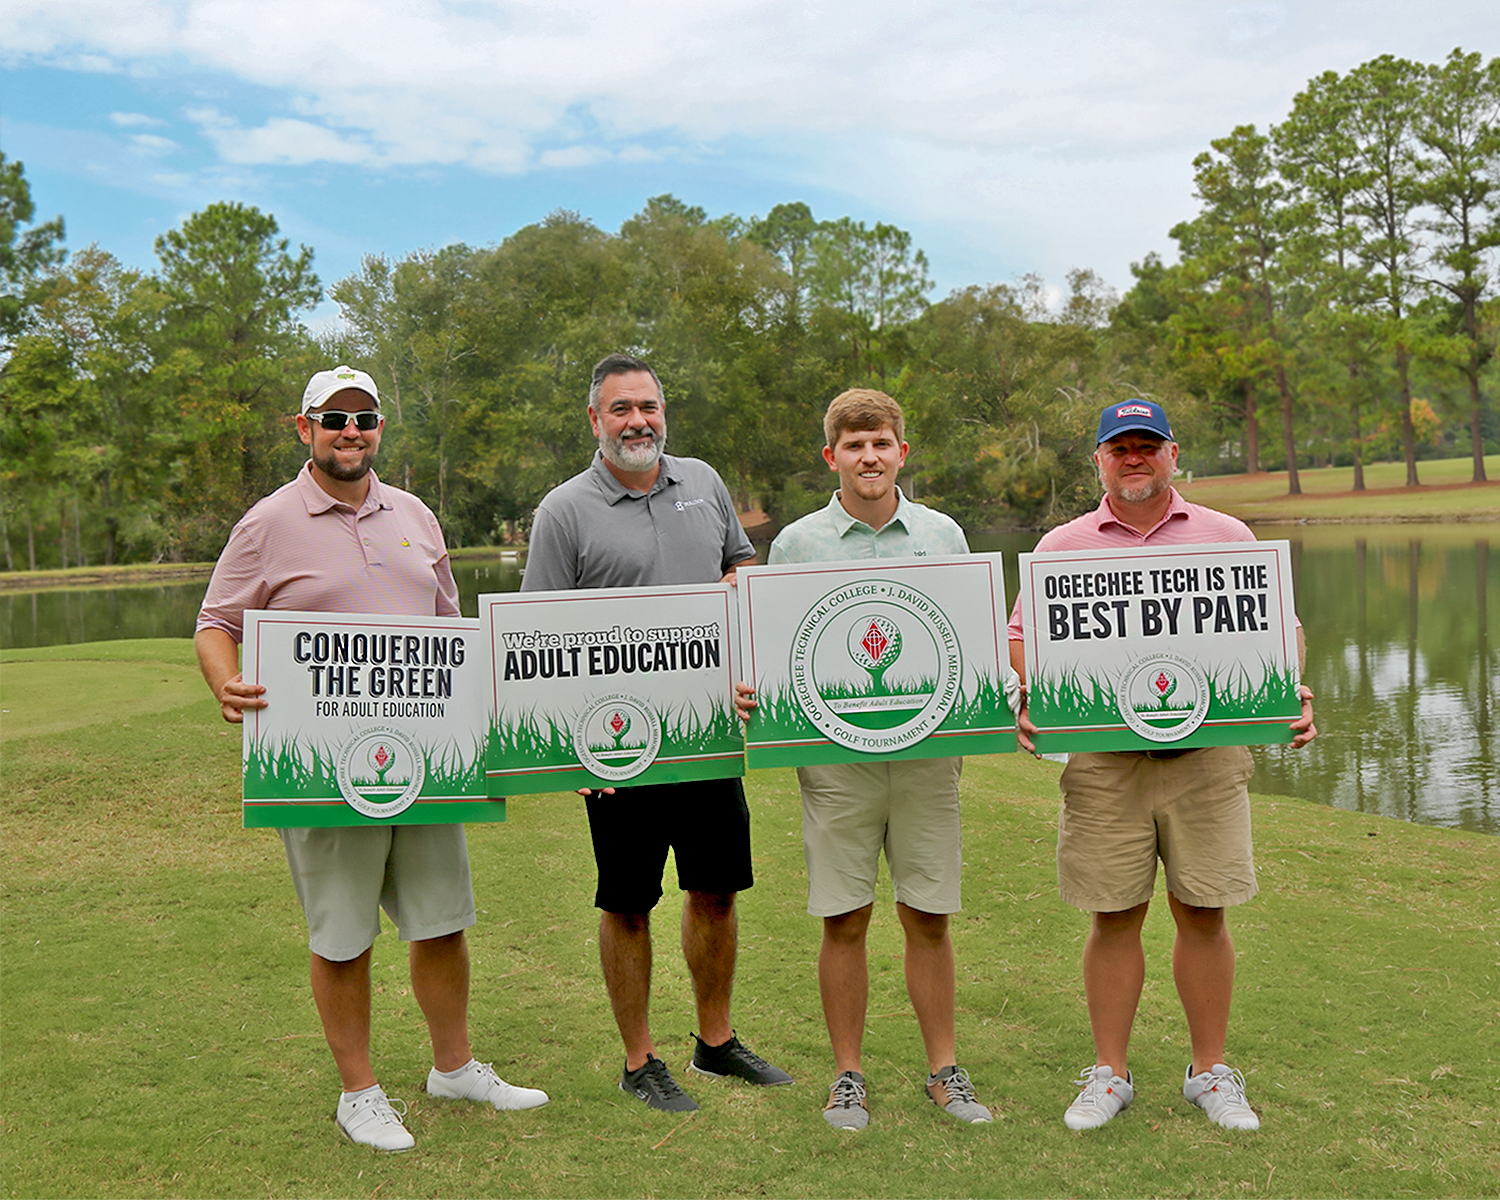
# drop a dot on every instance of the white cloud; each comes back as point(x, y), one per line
point(151, 143)
point(1060, 131)
point(133, 120)
point(574, 156)
point(439, 81)
point(280, 140)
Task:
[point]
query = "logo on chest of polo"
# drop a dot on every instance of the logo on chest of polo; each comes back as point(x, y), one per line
point(684, 505)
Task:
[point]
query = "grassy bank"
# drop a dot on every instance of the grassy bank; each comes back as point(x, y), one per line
point(159, 1038)
point(1445, 495)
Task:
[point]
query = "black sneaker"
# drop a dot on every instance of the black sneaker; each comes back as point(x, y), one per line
point(733, 1060)
point(654, 1084)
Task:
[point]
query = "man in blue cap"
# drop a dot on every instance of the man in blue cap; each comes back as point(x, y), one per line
point(1122, 811)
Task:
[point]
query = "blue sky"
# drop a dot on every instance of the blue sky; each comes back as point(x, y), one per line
point(1007, 137)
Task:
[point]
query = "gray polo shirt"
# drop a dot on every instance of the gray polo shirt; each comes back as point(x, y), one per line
point(594, 532)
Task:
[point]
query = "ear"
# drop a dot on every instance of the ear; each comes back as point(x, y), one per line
point(304, 429)
point(593, 420)
point(828, 458)
point(905, 450)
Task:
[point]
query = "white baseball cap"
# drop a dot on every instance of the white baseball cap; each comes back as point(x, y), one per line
point(326, 383)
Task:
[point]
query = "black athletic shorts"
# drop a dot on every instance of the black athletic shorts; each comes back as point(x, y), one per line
point(706, 824)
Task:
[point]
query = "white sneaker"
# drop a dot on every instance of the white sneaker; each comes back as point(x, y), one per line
point(479, 1082)
point(1220, 1093)
point(370, 1119)
point(1104, 1095)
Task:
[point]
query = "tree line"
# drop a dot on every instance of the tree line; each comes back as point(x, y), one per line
point(1338, 282)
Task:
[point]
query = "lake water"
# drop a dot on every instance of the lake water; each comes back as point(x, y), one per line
point(1401, 623)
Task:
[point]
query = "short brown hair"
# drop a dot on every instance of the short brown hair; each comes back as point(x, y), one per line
point(862, 410)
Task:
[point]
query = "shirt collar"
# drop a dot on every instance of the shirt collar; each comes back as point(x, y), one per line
point(318, 501)
point(1177, 509)
point(843, 522)
point(615, 491)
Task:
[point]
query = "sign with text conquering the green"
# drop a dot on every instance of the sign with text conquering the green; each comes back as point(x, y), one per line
point(370, 720)
point(876, 659)
point(610, 687)
point(1155, 649)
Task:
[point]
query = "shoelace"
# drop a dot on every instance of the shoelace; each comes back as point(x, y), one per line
point(1092, 1088)
point(1229, 1084)
point(738, 1050)
point(657, 1073)
point(847, 1093)
point(384, 1107)
point(959, 1086)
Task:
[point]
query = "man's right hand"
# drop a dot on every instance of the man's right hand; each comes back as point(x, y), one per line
point(236, 696)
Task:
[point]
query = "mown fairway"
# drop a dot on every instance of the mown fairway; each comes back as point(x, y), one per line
point(1446, 494)
point(160, 1040)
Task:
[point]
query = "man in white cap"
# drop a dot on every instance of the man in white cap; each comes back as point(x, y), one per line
point(337, 539)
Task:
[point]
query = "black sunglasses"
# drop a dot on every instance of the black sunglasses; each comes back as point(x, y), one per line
point(336, 420)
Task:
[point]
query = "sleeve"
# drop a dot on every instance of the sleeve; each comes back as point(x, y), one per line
point(1014, 631)
point(737, 547)
point(551, 555)
point(960, 540)
point(238, 583)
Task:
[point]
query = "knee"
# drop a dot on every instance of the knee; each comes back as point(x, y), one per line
point(847, 929)
point(928, 930)
point(1199, 922)
point(1123, 926)
point(626, 924)
point(712, 907)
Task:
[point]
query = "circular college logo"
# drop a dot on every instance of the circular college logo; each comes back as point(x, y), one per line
point(1163, 697)
point(876, 666)
point(617, 737)
point(380, 771)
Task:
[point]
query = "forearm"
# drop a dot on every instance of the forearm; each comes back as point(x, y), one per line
point(218, 658)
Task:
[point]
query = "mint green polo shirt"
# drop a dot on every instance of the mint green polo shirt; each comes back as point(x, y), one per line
point(832, 535)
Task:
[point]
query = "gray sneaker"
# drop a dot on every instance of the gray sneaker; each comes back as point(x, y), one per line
point(951, 1090)
point(846, 1102)
point(653, 1083)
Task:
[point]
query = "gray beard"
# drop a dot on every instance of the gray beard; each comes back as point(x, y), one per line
point(637, 459)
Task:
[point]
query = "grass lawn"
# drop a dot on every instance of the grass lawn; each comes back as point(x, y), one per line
point(159, 1038)
point(1445, 495)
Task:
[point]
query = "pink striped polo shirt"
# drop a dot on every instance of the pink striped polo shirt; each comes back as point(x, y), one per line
point(300, 549)
point(1184, 525)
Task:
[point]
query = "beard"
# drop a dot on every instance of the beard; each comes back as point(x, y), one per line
point(1142, 492)
point(634, 458)
point(331, 466)
point(1137, 493)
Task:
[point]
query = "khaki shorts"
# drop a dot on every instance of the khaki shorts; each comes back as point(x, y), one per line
point(1123, 811)
point(418, 873)
point(909, 807)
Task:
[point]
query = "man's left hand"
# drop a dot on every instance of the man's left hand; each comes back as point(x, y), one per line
point(1303, 726)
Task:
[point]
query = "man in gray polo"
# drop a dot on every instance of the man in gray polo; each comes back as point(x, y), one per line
point(639, 518)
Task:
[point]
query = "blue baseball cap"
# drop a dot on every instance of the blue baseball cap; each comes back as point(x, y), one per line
point(1134, 416)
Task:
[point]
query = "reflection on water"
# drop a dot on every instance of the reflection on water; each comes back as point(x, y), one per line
point(1400, 645)
point(1401, 622)
point(99, 614)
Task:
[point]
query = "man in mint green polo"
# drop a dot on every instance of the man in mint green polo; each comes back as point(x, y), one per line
point(851, 811)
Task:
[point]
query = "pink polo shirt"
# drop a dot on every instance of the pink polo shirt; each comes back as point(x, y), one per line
point(300, 549)
point(1184, 525)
